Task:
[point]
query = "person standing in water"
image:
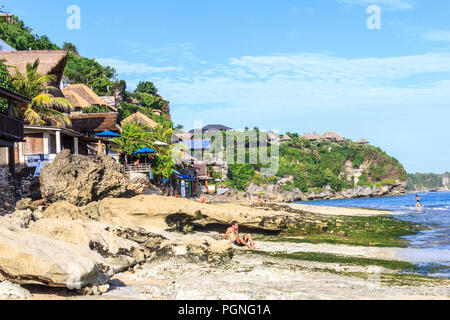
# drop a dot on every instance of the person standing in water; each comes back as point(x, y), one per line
point(418, 205)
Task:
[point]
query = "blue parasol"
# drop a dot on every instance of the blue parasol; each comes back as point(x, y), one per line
point(107, 134)
point(145, 151)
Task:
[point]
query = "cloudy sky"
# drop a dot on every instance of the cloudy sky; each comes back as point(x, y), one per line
point(298, 66)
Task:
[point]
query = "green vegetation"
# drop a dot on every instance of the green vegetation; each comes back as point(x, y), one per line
point(88, 71)
point(136, 136)
point(341, 259)
point(379, 231)
point(21, 37)
point(402, 275)
point(419, 181)
point(44, 108)
point(145, 100)
point(78, 68)
point(315, 165)
point(102, 79)
point(5, 82)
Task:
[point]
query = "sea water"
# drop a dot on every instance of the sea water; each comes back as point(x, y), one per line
point(430, 248)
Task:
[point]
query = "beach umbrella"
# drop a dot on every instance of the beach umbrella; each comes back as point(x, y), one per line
point(106, 134)
point(145, 150)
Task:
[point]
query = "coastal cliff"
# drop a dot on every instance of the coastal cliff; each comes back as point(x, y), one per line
point(314, 170)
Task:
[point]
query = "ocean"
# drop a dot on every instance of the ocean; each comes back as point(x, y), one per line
point(430, 249)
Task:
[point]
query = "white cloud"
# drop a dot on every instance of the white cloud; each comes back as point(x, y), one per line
point(130, 68)
point(358, 97)
point(392, 5)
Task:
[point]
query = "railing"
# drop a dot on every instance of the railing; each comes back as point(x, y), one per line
point(144, 167)
point(11, 128)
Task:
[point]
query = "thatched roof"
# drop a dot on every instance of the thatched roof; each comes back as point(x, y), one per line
point(330, 135)
point(140, 118)
point(76, 99)
point(362, 141)
point(95, 122)
point(80, 94)
point(312, 136)
point(286, 138)
point(50, 61)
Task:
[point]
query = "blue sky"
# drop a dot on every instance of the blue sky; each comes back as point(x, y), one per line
point(297, 66)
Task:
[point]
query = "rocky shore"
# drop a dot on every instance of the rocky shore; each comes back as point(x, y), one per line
point(104, 242)
point(275, 193)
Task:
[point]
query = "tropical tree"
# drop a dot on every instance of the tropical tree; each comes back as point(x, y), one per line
point(134, 136)
point(160, 133)
point(146, 87)
point(5, 82)
point(44, 107)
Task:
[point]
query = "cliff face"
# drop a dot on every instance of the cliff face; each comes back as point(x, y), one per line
point(339, 170)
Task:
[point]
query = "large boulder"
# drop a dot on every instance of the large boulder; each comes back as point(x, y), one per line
point(114, 252)
point(158, 214)
point(28, 258)
point(80, 179)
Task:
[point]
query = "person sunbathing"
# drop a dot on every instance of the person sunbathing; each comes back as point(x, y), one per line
point(202, 199)
point(233, 234)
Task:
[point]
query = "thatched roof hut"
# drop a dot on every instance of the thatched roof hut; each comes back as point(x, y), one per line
point(91, 123)
point(50, 61)
point(83, 97)
point(140, 118)
point(333, 136)
point(312, 136)
point(286, 138)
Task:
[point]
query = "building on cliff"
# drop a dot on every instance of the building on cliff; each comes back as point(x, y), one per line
point(83, 97)
point(363, 142)
point(333, 136)
point(140, 118)
point(312, 136)
point(51, 62)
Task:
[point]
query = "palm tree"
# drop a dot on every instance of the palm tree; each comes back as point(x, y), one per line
point(44, 107)
point(162, 134)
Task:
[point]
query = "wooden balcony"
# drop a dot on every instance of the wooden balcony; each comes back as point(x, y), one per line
point(10, 129)
point(139, 168)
